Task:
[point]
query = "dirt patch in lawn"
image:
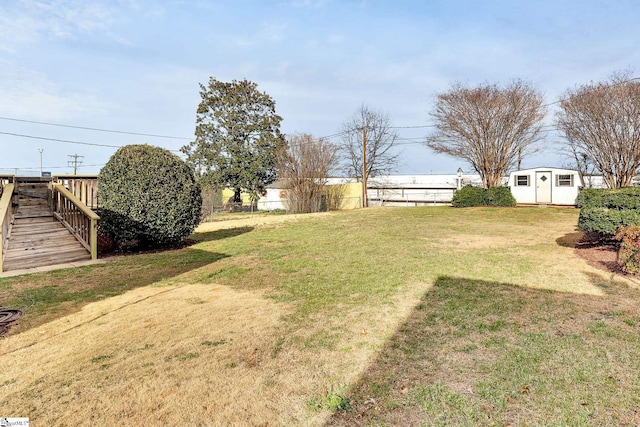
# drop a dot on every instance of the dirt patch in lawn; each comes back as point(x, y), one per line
point(598, 253)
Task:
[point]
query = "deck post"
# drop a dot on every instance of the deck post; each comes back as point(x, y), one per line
point(94, 238)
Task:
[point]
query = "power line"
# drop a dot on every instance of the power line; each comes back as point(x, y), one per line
point(122, 132)
point(66, 141)
point(35, 168)
point(586, 86)
point(344, 132)
point(412, 127)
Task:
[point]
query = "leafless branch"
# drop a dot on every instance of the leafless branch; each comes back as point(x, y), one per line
point(489, 127)
point(380, 137)
point(602, 122)
point(304, 167)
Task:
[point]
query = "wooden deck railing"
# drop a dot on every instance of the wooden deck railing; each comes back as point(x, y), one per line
point(6, 214)
point(84, 187)
point(81, 221)
point(5, 179)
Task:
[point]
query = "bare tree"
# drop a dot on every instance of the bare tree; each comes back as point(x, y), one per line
point(379, 138)
point(602, 121)
point(490, 127)
point(581, 162)
point(304, 167)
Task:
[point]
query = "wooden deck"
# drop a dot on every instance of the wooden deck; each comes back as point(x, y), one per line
point(38, 239)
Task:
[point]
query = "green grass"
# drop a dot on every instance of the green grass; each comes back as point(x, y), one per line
point(509, 326)
point(487, 353)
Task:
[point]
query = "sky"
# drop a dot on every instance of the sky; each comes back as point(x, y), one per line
point(133, 67)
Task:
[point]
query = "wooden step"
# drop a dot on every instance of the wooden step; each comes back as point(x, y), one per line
point(37, 239)
point(34, 220)
point(60, 258)
point(42, 251)
point(32, 215)
point(36, 227)
point(18, 259)
point(31, 212)
point(22, 242)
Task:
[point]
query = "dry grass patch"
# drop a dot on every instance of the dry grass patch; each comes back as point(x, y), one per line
point(253, 221)
point(170, 355)
point(189, 353)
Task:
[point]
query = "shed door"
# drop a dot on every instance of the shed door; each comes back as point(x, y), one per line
point(543, 187)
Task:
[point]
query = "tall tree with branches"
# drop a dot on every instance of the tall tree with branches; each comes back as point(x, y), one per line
point(490, 127)
point(237, 137)
point(304, 167)
point(380, 141)
point(601, 122)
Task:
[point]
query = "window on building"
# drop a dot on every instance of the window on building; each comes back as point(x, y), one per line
point(522, 180)
point(564, 180)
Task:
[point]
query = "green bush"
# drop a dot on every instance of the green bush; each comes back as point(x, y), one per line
point(629, 251)
point(604, 211)
point(621, 198)
point(590, 197)
point(148, 197)
point(606, 221)
point(499, 196)
point(469, 196)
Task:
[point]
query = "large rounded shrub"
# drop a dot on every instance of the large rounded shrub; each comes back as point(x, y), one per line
point(148, 197)
point(468, 196)
point(499, 196)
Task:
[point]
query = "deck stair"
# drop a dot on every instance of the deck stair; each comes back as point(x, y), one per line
point(37, 238)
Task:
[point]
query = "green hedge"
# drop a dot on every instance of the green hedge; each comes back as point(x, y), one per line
point(499, 196)
point(469, 196)
point(590, 197)
point(621, 198)
point(604, 211)
point(148, 197)
point(606, 221)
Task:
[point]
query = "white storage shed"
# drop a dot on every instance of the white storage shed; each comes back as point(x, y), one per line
point(545, 186)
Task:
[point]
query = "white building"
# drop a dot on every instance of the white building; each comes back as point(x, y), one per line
point(416, 190)
point(545, 186)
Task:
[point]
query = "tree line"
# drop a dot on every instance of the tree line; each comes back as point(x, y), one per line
point(238, 143)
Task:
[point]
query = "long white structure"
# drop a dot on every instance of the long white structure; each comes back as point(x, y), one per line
point(545, 186)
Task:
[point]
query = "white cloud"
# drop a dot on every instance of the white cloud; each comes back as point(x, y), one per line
point(31, 95)
point(310, 4)
point(268, 34)
point(335, 39)
point(31, 21)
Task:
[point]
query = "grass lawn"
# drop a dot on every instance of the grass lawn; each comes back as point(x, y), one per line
point(379, 317)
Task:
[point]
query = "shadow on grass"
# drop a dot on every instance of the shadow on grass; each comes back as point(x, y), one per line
point(570, 240)
point(485, 353)
point(597, 250)
point(51, 295)
point(209, 236)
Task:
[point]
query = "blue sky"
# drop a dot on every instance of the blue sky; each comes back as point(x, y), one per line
point(135, 65)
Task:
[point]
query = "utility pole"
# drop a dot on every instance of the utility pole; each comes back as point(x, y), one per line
point(75, 162)
point(365, 202)
point(40, 150)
